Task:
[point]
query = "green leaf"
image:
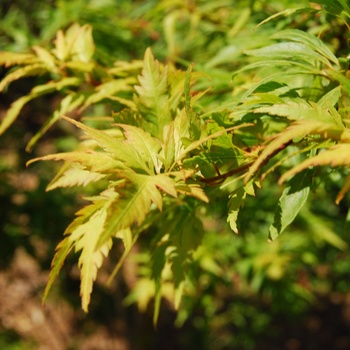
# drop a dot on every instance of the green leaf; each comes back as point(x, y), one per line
point(236, 201)
point(46, 58)
point(62, 251)
point(128, 240)
point(310, 41)
point(292, 200)
point(105, 141)
point(291, 51)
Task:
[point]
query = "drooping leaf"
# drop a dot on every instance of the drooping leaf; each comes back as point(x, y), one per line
point(85, 238)
point(16, 107)
point(26, 71)
point(290, 203)
point(68, 104)
point(345, 189)
point(236, 201)
point(298, 129)
point(338, 155)
point(62, 251)
point(312, 41)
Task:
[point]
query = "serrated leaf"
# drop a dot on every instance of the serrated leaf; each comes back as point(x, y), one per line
point(331, 98)
point(152, 92)
point(192, 190)
point(128, 240)
point(84, 47)
point(134, 201)
point(337, 155)
point(16, 106)
point(107, 90)
point(298, 109)
point(85, 238)
point(298, 129)
point(95, 161)
point(60, 50)
point(9, 59)
point(46, 58)
point(106, 141)
point(292, 51)
point(26, 71)
point(144, 144)
point(75, 175)
point(309, 40)
point(195, 121)
point(292, 200)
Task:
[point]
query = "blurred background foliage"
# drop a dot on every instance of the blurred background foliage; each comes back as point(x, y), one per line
point(249, 294)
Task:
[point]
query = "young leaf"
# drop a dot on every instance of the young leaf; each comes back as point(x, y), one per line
point(152, 98)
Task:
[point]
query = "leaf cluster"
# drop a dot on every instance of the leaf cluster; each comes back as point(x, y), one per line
point(173, 148)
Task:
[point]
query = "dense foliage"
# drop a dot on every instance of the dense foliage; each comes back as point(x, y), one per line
point(241, 125)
